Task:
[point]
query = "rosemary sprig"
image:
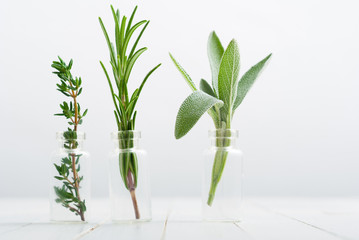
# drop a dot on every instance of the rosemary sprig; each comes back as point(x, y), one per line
point(69, 194)
point(122, 62)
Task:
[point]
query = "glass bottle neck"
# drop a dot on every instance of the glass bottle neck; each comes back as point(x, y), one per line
point(223, 142)
point(71, 145)
point(223, 138)
point(127, 143)
point(70, 140)
point(126, 139)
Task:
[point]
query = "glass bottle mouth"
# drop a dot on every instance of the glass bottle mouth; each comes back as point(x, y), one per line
point(70, 135)
point(223, 133)
point(130, 134)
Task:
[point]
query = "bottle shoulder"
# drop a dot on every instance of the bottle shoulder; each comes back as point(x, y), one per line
point(64, 152)
point(138, 151)
point(230, 150)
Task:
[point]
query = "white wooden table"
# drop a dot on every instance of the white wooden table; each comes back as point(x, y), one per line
point(262, 218)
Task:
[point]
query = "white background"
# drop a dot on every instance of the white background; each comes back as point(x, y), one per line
point(298, 125)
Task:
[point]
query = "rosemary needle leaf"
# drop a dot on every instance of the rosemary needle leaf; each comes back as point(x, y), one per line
point(130, 21)
point(112, 53)
point(129, 34)
point(138, 39)
point(132, 61)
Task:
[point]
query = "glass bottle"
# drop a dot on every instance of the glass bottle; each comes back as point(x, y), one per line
point(129, 181)
point(70, 183)
point(222, 177)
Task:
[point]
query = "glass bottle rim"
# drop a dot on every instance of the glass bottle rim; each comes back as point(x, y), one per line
point(129, 134)
point(223, 133)
point(80, 135)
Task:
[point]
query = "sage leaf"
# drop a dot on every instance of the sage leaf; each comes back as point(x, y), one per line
point(215, 52)
point(228, 75)
point(184, 74)
point(205, 87)
point(193, 107)
point(248, 79)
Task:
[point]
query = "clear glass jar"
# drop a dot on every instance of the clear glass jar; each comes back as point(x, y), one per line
point(70, 184)
point(222, 177)
point(129, 179)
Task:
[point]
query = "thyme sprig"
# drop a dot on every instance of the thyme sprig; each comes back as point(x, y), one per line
point(68, 171)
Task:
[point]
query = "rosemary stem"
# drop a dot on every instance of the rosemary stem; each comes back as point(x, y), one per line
point(131, 187)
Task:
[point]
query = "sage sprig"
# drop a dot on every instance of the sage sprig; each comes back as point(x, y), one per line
point(220, 100)
point(122, 60)
point(68, 171)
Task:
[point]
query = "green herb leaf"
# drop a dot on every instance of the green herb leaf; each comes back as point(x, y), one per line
point(111, 88)
point(132, 61)
point(109, 44)
point(248, 79)
point(193, 107)
point(205, 87)
point(184, 74)
point(130, 21)
point(117, 30)
point(228, 75)
point(133, 49)
point(129, 34)
point(215, 52)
